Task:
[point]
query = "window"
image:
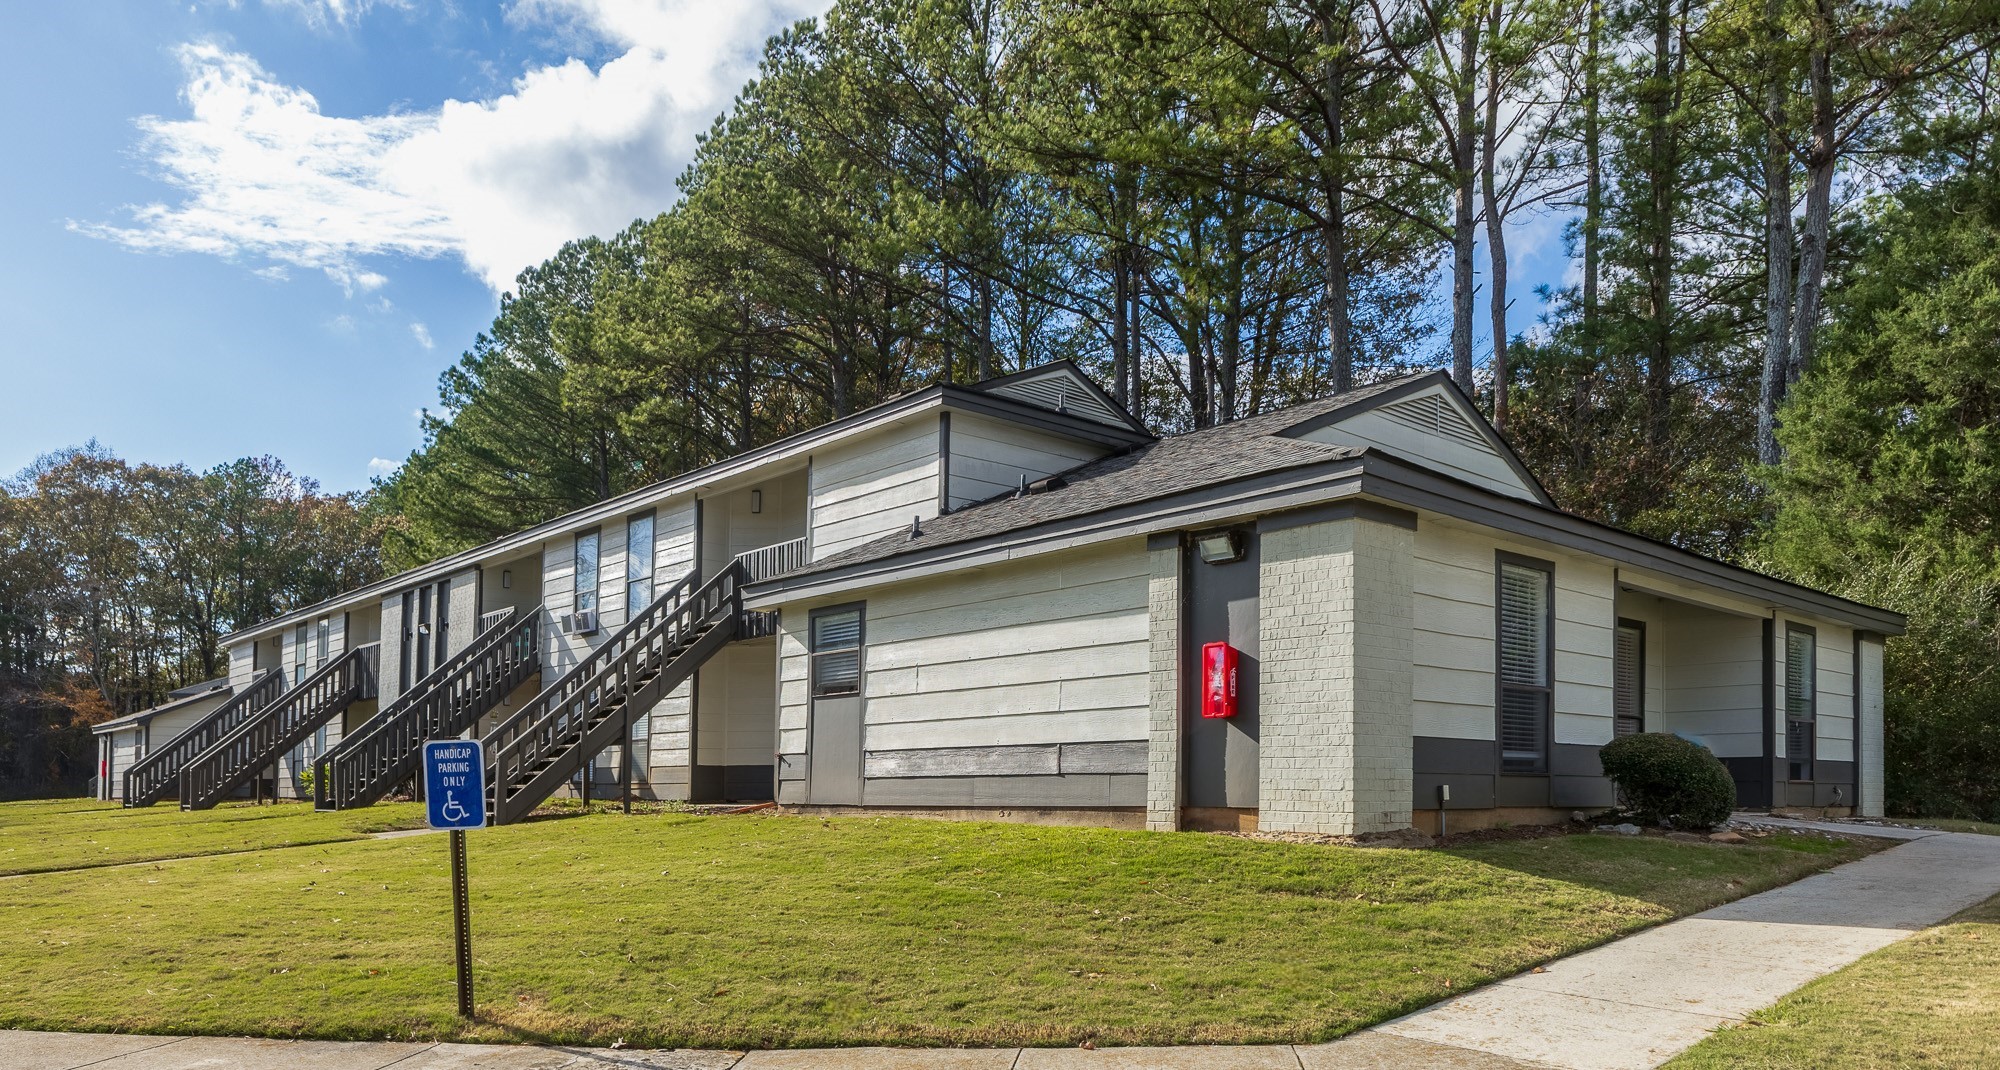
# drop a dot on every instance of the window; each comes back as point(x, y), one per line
point(408, 651)
point(298, 653)
point(586, 572)
point(836, 652)
point(1800, 689)
point(1628, 679)
point(424, 631)
point(442, 632)
point(1525, 663)
point(638, 565)
point(322, 642)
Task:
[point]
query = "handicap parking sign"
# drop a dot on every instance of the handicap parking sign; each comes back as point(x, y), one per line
point(455, 783)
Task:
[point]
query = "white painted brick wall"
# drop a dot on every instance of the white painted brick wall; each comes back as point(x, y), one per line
point(1334, 702)
point(1163, 733)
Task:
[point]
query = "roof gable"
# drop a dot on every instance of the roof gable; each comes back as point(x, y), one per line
point(1061, 387)
point(1429, 421)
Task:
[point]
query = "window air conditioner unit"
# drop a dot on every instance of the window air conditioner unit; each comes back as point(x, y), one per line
point(581, 622)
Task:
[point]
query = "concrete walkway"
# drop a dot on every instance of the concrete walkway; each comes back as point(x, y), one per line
point(1629, 1005)
point(1635, 1003)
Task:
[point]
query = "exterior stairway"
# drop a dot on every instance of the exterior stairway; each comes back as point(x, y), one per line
point(256, 744)
point(376, 757)
point(159, 772)
point(551, 739)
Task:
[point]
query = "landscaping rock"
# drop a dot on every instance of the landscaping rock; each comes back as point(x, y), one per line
point(1627, 829)
point(1727, 837)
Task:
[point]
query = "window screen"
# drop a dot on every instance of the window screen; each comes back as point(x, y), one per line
point(1800, 686)
point(1524, 655)
point(638, 565)
point(586, 572)
point(1628, 679)
point(836, 653)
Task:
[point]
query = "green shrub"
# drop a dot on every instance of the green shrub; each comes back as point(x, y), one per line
point(1666, 780)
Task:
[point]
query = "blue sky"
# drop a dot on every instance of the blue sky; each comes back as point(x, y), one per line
point(241, 227)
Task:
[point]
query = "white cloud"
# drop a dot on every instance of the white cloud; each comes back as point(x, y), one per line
point(380, 466)
point(500, 183)
point(423, 335)
point(321, 13)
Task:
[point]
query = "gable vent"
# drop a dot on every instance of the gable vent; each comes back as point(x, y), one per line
point(1060, 392)
point(1434, 415)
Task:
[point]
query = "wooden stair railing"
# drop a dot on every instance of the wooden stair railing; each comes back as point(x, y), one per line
point(380, 755)
point(257, 744)
point(548, 741)
point(158, 772)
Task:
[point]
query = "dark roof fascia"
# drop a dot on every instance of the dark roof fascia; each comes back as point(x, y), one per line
point(1088, 382)
point(1420, 383)
point(141, 717)
point(886, 412)
point(1219, 503)
point(1020, 412)
point(1394, 479)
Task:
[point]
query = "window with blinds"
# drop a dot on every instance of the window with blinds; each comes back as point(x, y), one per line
point(1628, 679)
point(1525, 655)
point(1801, 687)
point(638, 565)
point(836, 653)
point(585, 577)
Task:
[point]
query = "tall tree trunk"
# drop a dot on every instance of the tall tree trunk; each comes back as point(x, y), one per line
point(947, 355)
point(1496, 236)
point(1661, 150)
point(985, 326)
point(1135, 342)
point(1593, 174)
point(1593, 221)
point(1120, 345)
point(1464, 177)
point(1777, 248)
point(1821, 157)
point(1333, 229)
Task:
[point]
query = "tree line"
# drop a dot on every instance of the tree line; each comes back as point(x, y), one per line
point(119, 580)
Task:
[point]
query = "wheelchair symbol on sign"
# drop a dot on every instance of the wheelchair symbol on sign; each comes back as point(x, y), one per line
point(451, 811)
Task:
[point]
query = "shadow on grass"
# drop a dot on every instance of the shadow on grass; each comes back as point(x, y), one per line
point(1679, 876)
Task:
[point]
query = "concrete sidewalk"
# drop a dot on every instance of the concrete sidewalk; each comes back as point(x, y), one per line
point(1635, 1003)
point(1629, 1005)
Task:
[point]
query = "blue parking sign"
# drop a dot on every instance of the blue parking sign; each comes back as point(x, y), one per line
point(455, 783)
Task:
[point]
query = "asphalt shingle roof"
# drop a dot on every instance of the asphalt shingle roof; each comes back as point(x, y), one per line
point(1168, 466)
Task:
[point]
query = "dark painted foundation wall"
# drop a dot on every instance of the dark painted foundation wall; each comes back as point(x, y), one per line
point(1576, 780)
point(1760, 784)
point(1471, 766)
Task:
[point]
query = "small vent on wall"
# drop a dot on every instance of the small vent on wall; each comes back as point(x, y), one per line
point(1432, 414)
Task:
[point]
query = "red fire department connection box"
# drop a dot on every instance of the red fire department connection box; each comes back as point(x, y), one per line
point(1218, 680)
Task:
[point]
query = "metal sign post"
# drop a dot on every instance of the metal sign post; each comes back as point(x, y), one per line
point(455, 799)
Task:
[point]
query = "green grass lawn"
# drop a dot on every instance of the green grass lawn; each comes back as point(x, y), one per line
point(747, 931)
point(1953, 824)
point(37, 837)
point(1932, 1000)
